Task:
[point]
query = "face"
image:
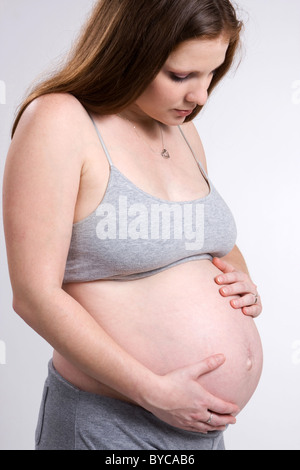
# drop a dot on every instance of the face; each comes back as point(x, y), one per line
point(183, 82)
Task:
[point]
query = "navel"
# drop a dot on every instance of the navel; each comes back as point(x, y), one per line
point(249, 364)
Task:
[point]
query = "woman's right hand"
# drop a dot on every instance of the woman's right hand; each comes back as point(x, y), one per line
point(182, 402)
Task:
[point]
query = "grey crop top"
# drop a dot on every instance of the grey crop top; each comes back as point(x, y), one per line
point(132, 234)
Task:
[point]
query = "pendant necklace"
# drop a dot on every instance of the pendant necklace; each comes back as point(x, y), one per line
point(164, 153)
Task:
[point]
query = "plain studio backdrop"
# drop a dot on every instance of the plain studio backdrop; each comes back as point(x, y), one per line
point(250, 130)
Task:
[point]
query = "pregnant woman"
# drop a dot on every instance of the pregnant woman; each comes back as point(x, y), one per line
point(121, 251)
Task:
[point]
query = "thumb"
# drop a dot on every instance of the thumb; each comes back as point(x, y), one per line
point(207, 365)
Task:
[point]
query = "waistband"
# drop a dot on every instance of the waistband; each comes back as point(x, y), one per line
point(99, 401)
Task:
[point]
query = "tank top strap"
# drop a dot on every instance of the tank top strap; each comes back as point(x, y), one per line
point(102, 142)
point(198, 161)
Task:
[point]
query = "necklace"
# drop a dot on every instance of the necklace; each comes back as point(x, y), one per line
point(164, 153)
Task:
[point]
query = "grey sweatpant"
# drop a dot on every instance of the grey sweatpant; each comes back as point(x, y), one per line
point(71, 419)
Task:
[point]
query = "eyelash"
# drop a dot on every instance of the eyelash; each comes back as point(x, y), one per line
point(177, 79)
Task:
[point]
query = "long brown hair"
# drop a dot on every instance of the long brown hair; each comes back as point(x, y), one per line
point(124, 45)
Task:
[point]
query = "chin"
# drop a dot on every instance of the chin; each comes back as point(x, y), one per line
point(172, 121)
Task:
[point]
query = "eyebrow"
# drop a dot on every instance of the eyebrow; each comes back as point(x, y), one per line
point(185, 73)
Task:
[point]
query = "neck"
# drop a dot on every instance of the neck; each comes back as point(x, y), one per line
point(140, 119)
point(150, 127)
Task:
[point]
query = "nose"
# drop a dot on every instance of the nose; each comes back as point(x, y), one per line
point(198, 95)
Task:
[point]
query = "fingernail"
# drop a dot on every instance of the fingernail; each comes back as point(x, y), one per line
point(224, 290)
point(220, 279)
point(220, 358)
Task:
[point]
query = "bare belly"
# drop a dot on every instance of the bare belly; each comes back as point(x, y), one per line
point(170, 320)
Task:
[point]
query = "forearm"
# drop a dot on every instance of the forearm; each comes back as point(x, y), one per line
point(73, 332)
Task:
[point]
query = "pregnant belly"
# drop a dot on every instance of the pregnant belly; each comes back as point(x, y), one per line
point(177, 318)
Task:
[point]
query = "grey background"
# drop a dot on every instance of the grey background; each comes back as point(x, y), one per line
point(250, 131)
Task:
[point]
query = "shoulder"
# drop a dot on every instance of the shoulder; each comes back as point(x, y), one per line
point(54, 125)
point(51, 111)
point(51, 139)
point(54, 102)
point(192, 135)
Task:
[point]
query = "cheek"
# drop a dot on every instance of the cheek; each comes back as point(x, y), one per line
point(156, 92)
point(164, 93)
point(161, 95)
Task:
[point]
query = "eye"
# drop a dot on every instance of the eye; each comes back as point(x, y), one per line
point(178, 78)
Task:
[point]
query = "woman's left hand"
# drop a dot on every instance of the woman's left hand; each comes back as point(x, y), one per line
point(235, 282)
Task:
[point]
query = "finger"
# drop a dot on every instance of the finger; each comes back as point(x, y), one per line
point(217, 406)
point(207, 365)
point(223, 265)
point(221, 420)
point(230, 278)
point(247, 300)
point(214, 419)
point(205, 428)
point(254, 311)
point(238, 288)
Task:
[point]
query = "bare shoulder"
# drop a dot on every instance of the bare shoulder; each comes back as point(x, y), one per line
point(54, 129)
point(52, 103)
point(47, 149)
point(54, 114)
point(194, 139)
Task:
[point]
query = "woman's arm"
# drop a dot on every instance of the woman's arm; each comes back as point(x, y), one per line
point(235, 272)
point(41, 183)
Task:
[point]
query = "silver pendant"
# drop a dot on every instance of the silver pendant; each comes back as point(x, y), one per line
point(165, 153)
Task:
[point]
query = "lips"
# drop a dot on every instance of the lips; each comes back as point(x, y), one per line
point(184, 112)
